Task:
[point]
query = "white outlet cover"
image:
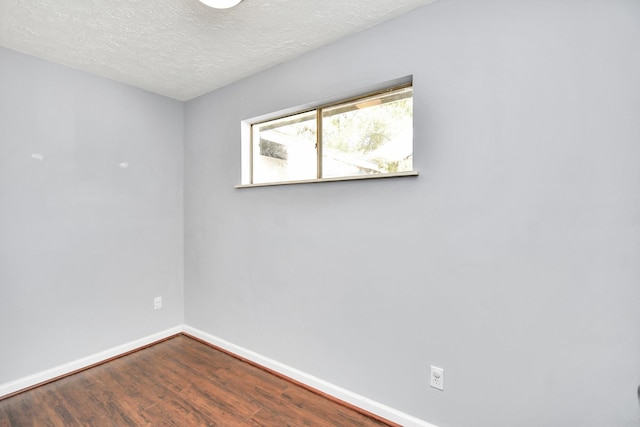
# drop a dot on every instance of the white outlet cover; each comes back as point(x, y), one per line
point(157, 303)
point(437, 378)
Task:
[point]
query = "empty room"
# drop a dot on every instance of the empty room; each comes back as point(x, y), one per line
point(295, 212)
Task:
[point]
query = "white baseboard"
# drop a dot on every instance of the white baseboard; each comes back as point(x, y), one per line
point(288, 371)
point(311, 381)
point(49, 374)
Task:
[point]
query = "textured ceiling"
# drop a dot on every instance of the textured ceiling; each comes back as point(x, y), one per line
point(182, 48)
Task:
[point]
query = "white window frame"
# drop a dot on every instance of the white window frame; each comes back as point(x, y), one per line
point(247, 143)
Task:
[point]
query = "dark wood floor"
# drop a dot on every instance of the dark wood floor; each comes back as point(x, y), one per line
point(178, 382)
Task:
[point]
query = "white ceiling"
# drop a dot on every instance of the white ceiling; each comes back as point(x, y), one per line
point(182, 48)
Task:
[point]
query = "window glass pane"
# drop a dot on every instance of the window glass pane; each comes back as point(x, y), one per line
point(369, 136)
point(285, 149)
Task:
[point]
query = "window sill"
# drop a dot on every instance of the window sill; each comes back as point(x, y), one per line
point(341, 178)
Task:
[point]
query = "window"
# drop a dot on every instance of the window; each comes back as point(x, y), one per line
point(368, 136)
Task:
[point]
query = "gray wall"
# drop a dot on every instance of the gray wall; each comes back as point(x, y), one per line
point(84, 245)
point(511, 261)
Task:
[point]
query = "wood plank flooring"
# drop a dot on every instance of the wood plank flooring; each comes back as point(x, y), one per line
point(178, 382)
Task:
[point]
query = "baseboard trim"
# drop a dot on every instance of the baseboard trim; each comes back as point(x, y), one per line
point(330, 390)
point(22, 384)
point(310, 381)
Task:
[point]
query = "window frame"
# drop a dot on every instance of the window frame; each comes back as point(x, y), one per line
point(248, 133)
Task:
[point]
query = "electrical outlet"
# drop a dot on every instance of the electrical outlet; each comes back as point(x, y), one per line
point(437, 378)
point(157, 303)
